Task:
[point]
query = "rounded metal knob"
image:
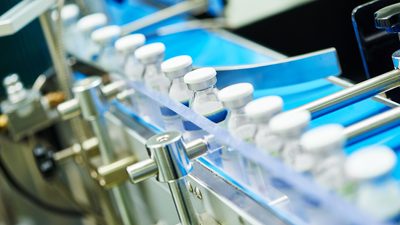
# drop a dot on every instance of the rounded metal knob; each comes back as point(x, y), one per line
point(169, 153)
point(388, 18)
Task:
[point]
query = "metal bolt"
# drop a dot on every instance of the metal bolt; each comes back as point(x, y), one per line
point(198, 193)
point(190, 187)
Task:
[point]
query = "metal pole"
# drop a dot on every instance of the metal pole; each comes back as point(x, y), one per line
point(353, 94)
point(57, 53)
point(88, 93)
point(373, 123)
point(180, 195)
point(170, 162)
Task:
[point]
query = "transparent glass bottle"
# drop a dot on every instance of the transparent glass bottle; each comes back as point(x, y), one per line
point(378, 193)
point(205, 102)
point(325, 145)
point(287, 128)
point(86, 25)
point(128, 63)
point(105, 37)
point(175, 69)
point(151, 56)
point(71, 38)
point(234, 98)
point(260, 112)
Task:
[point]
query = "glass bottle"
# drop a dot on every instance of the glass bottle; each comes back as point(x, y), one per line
point(128, 63)
point(378, 193)
point(175, 69)
point(325, 145)
point(105, 37)
point(86, 25)
point(151, 56)
point(287, 128)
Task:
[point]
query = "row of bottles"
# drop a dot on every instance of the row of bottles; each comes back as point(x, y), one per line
point(364, 177)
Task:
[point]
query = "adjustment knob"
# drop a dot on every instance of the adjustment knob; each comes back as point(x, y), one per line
point(44, 161)
point(388, 18)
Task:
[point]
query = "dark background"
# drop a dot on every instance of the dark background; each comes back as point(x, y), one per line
point(314, 26)
point(24, 53)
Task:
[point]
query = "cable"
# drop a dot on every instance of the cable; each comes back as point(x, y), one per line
point(32, 198)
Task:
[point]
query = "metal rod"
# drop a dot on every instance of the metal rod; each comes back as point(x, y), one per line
point(106, 151)
point(366, 127)
point(353, 94)
point(177, 9)
point(57, 54)
point(181, 197)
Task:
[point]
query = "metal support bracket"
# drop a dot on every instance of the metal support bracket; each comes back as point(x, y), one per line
point(170, 163)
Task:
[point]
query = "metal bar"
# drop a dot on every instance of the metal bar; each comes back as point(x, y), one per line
point(367, 126)
point(187, 214)
point(147, 168)
point(106, 151)
point(57, 54)
point(115, 173)
point(353, 94)
point(175, 10)
point(22, 14)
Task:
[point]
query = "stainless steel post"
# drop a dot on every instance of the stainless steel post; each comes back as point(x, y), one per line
point(170, 163)
point(90, 98)
point(353, 94)
point(373, 123)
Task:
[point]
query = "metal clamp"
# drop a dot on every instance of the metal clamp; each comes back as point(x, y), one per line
point(72, 108)
point(170, 163)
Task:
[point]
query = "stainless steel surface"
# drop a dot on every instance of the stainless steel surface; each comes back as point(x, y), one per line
point(186, 213)
point(177, 9)
point(115, 173)
point(69, 109)
point(146, 169)
point(27, 114)
point(353, 94)
point(57, 52)
point(372, 123)
point(22, 14)
point(89, 95)
point(169, 154)
point(173, 164)
point(379, 98)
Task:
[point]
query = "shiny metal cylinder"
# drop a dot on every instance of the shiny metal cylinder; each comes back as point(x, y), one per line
point(183, 205)
point(69, 109)
point(353, 94)
point(146, 169)
point(89, 95)
point(169, 154)
point(373, 124)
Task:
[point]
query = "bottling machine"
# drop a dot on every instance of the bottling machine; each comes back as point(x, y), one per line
point(97, 140)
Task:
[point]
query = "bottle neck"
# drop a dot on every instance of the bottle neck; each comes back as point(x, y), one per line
point(152, 69)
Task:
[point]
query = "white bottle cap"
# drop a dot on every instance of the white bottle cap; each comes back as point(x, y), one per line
point(291, 122)
point(324, 138)
point(91, 22)
point(237, 95)
point(106, 34)
point(370, 162)
point(263, 109)
point(201, 79)
point(150, 53)
point(129, 43)
point(177, 66)
point(69, 12)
